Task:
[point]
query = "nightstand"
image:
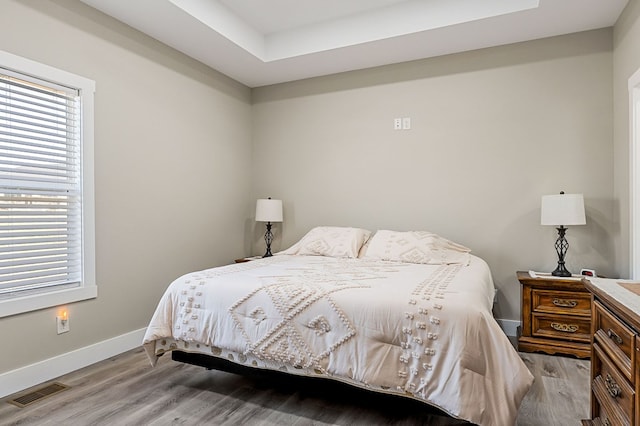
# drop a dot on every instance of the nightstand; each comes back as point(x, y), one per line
point(556, 315)
point(247, 259)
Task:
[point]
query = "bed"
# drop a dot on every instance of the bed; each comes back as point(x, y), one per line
point(402, 313)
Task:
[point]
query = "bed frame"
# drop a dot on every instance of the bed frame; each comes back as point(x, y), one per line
point(211, 362)
point(326, 386)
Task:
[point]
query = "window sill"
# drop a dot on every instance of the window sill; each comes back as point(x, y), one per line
point(33, 302)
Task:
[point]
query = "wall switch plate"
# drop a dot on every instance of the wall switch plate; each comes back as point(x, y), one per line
point(406, 123)
point(63, 324)
point(397, 124)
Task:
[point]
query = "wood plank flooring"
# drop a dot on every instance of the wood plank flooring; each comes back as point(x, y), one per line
point(126, 390)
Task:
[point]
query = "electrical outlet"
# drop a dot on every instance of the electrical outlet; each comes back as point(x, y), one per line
point(63, 323)
point(397, 124)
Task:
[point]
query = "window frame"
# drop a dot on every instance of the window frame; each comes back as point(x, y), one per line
point(634, 174)
point(52, 296)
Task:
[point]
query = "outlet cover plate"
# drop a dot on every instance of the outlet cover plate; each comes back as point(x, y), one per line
point(63, 325)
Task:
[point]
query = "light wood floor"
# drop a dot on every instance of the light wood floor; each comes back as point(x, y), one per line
point(126, 390)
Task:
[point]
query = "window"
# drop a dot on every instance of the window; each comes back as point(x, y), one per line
point(46, 186)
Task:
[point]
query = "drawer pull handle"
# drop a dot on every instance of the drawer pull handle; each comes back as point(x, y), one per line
point(612, 387)
point(613, 336)
point(565, 303)
point(565, 328)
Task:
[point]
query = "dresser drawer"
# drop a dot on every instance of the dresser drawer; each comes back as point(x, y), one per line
point(616, 339)
point(608, 416)
point(614, 393)
point(561, 302)
point(576, 329)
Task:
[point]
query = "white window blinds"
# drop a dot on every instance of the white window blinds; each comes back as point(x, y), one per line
point(40, 184)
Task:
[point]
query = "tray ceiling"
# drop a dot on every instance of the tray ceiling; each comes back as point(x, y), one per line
point(263, 42)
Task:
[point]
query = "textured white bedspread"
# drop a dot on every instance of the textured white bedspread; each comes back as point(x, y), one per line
point(424, 331)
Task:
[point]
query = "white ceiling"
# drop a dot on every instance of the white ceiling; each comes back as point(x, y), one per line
point(262, 42)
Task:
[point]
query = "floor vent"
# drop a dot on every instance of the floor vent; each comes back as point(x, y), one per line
point(38, 394)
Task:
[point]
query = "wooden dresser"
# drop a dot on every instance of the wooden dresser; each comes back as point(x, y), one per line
point(615, 363)
point(556, 316)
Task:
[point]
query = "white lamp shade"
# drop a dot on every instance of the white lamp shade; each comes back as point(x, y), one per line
point(562, 209)
point(269, 210)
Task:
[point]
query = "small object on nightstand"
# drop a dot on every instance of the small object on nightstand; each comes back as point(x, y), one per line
point(588, 272)
point(556, 315)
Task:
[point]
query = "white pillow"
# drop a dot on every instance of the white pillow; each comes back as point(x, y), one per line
point(415, 247)
point(331, 241)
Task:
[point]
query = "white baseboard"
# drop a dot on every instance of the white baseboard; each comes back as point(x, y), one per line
point(510, 327)
point(31, 375)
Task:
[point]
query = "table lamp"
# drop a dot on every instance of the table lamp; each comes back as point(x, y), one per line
point(268, 210)
point(560, 210)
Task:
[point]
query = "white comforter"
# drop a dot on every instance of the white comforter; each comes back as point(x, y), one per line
point(423, 331)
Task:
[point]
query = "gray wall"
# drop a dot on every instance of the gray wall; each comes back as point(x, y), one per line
point(492, 131)
point(172, 169)
point(182, 153)
point(626, 61)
